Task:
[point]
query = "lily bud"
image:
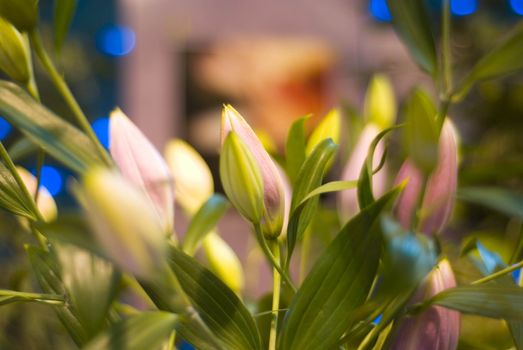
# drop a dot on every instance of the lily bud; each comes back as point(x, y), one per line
point(348, 199)
point(380, 104)
point(436, 328)
point(329, 127)
point(193, 179)
point(14, 58)
point(123, 220)
point(22, 13)
point(272, 188)
point(440, 191)
point(223, 261)
point(143, 165)
point(241, 178)
point(45, 203)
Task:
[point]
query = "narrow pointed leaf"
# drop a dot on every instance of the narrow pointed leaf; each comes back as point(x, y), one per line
point(148, 330)
point(217, 305)
point(309, 178)
point(60, 139)
point(502, 200)
point(12, 198)
point(63, 15)
point(490, 300)
point(203, 222)
point(339, 282)
point(411, 21)
point(295, 148)
point(501, 60)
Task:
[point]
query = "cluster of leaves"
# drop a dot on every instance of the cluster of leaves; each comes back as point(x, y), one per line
point(373, 265)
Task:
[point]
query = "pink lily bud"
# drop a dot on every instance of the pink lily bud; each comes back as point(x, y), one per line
point(348, 199)
point(273, 188)
point(436, 328)
point(143, 165)
point(438, 200)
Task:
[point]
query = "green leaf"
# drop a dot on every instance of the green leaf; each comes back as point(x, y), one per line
point(14, 58)
point(217, 305)
point(490, 300)
point(63, 15)
point(333, 186)
point(47, 272)
point(204, 221)
point(148, 330)
point(503, 200)
point(309, 178)
point(411, 21)
point(295, 148)
point(22, 148)
point(365, 195)
point(11, 296)
point(421, 136)
point(90, 282)
point(12, 198)
point(57, 137)
point(339, 282)
point(504, 59)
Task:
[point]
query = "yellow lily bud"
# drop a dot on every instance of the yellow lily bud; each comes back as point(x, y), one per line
point(46, 204)
point(142, 164)
point(123, 220)
point(193, 179)
point(14, 58)
point(223, 261)
point(271, 185)
point(329, 127)
point(380, 104)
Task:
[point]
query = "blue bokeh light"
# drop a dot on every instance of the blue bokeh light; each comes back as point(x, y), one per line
point(517, 6)
point(101, 129)
point(516, 275)
point(463, 7)
point(379, 10)
point(116, 40)
point(5, 128)
point(51, 179)
point(377, 319)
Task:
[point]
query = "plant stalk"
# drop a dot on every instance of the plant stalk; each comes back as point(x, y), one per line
point(66, 93)
point(276, 289)
point(499, 273)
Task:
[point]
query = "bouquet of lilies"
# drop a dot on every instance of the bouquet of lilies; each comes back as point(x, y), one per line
point(118, 276)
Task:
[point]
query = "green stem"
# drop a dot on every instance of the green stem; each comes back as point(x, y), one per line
point(40, 297)
point(276, 287)
point(40, 159)
point(66, 93)
point(446, 50)
point(267, 251)
point(499, 273)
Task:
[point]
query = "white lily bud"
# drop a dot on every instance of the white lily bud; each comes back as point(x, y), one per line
point(143, 165)
point(123, 220)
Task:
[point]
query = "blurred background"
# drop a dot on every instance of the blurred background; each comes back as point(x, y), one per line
point(171, 64)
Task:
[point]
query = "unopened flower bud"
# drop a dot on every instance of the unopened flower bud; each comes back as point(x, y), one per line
point(223, 261)
point(348, 199)
point(45, 203)
point(329, 127)
point(272, 188)
point(438, 200)
point(123, 220)
point(241, 178)
point(14, 57)
point(192, 176)
point(380, 104)
point(436, 328)
point(143, 165)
